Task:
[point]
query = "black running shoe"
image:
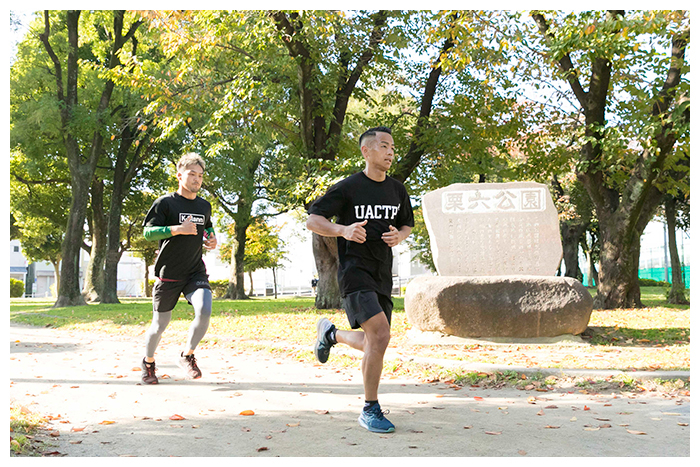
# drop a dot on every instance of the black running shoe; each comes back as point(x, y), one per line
point(148, 372)
point(322, 348)
point(189, 364)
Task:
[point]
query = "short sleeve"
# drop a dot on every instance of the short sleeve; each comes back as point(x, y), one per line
point(405, 215)
point(157, 215)
point(330, 204)
point(208, 224)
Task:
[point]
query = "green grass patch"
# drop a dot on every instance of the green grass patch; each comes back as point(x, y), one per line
point(653, 338)
point(24, 424)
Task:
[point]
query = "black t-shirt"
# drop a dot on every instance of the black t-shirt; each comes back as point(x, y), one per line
point(180, 256)
point(366, 266)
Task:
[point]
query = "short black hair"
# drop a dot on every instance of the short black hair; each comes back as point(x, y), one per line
point(374, 131)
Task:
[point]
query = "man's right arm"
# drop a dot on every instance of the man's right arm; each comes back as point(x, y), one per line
point(154, 233)
point(157, 233)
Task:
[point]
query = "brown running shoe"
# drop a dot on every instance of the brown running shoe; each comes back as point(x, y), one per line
point(148, 372)
point(189, 364)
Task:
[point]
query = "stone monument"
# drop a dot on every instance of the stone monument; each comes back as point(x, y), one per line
point(496, 247)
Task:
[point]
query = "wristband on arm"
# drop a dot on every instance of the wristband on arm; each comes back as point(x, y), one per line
point(157, 233)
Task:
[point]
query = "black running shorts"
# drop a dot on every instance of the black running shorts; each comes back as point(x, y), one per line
point(361, 306)
point(166, 293)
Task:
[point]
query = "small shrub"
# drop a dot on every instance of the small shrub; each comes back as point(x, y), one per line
point(16, 287)
point(219, 287)
point(652, 283)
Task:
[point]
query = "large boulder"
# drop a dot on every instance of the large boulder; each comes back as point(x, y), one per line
point(498, 306)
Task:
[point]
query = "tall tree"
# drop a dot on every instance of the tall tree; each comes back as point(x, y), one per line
point(69, 60)
point(623, 163)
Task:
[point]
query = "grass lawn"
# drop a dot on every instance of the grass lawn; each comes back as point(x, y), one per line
point(653, 338)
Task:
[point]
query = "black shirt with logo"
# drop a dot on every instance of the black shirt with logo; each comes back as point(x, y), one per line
point(366, 266)
point(179, 256)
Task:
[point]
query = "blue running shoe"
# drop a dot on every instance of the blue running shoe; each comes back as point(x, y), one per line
point(373, 420)
point(322, 348)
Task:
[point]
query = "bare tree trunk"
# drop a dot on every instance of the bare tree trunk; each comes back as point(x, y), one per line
point(236, 283)
point(571, 238)
point(93, 285)
point(326, 256)
point(146, 278)
point(619, 259)
point(677, 294)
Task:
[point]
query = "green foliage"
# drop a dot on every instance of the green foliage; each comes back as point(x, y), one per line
point(16, 287)
point(652, 283)
point(219, 287)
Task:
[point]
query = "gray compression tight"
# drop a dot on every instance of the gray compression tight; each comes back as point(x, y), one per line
point(201, 300)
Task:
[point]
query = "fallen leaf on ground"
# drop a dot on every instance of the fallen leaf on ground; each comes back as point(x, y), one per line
point(294, 424)
point(107, 422)
point(633, 432)
point(321, 412)
point(262, 449)
point(494, 432)
point(522, 453)
point(550, 426)
point(247, 412)
point(177, 417)
point(477, 398)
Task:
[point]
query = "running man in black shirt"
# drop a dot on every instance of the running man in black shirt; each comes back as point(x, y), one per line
point(373, 215)
point(180, 221)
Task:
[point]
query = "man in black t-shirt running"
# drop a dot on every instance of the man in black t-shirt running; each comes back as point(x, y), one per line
point(373, 215)
point(180, 221)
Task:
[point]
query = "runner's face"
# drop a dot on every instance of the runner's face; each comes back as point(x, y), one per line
point(379, 152)
point(191, 178)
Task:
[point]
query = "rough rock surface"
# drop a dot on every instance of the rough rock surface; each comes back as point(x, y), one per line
point(498, 306)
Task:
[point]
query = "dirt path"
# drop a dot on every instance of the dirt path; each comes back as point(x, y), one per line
point(88, 384)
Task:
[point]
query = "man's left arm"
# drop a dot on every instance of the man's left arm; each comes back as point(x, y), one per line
point(211, 241)
point(395, 236)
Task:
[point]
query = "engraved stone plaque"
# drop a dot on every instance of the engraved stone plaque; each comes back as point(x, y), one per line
point(493, 229)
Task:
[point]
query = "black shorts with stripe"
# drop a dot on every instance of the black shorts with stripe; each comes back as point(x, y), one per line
point(166, 293)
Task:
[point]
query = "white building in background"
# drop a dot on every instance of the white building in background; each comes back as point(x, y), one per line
point(44, 275)
point(130, 273)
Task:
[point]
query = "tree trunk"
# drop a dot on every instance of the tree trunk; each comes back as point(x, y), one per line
point(619, 268)
point(326, 256)
point(236, 283)
point(93, 285)
point(56, 275)
point(68, 290)
point(274, 281)
point(146, 288)
point(252, 289)
point(677, 293)
point(571, 238)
